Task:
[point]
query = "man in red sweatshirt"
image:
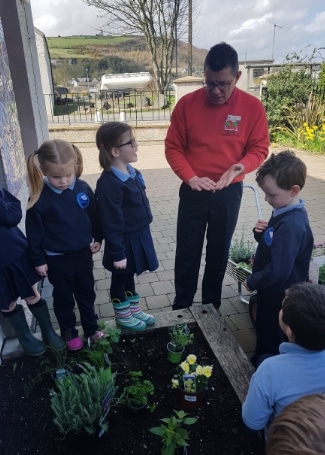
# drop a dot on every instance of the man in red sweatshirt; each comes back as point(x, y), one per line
point(217, 134)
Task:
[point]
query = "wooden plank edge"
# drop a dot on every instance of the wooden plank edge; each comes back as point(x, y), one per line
point(164, 319)
point(225, 347)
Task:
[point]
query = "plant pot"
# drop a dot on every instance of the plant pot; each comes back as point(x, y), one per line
point(174, 356)
point(190, 400)
point(181, 451)
point(83, 442)
point(135, 407)
point(60, 374)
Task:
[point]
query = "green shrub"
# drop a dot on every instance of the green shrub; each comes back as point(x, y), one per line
point(81, 401)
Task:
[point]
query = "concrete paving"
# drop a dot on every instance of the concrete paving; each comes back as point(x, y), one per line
point(157, 288)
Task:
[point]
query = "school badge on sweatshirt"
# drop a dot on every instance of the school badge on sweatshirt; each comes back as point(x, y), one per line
point(268, 236)
point(232, 123)
point(83, 200)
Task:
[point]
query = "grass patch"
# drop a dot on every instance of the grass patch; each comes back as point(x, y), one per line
point(78, 46)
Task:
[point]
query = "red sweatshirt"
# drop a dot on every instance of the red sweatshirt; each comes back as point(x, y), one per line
point(204, 140)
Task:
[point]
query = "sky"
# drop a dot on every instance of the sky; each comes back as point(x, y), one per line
point(257, 29)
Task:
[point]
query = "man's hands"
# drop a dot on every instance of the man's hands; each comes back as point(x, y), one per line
point(202, 183)
point(205, 183)
point(226, 178)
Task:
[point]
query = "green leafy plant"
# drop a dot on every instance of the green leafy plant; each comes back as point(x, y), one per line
point(98, 351)
point(180, 336)
point(321, 278)
point(304, 125)
point(172, 433)
point(82, 401)
point(289, 87)
point(136, 393)
point(242, 250)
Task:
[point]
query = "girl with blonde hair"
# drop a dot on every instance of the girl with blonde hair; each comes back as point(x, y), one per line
point(63, 232)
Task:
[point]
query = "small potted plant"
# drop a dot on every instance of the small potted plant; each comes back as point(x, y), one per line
point(135, 395)
point(241, 256)
point(180, 337)
point(191, 380)
point(173, 435)
point(242, 250)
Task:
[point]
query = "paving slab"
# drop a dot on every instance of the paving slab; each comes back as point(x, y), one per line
point(157, 288)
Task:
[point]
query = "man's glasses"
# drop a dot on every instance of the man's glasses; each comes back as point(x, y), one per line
point(221, 85)
point(132, 142)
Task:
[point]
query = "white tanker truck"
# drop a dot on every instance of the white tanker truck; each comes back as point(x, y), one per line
point(122, 83)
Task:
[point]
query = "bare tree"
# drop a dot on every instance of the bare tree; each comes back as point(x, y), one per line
point(159, 21)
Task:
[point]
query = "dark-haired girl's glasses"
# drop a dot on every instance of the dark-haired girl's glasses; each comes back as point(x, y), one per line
point(132, 142)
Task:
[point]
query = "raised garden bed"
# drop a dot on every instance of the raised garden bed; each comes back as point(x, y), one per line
point(26, 419)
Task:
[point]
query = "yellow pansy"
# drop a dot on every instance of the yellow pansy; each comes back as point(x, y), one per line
point(207, 371)
point(185, 367)
point(191, 359)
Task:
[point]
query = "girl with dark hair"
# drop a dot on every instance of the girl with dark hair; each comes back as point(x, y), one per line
point(125, 216)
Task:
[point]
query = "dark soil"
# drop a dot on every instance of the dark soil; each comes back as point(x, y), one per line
point(26, 418)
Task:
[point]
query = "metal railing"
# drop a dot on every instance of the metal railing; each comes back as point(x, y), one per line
point(131, 106)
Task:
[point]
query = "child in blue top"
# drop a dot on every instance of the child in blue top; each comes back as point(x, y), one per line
point(64, 232)
point(284, 248)
point(19, 279)
point(299, 369)
point(125, 216)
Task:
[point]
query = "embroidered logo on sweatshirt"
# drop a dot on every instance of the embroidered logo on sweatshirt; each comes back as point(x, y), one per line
point(268, 236)
point(83, 200)
point(232, 123)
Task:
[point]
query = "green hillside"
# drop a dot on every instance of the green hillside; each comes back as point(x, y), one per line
point(77, 56)
point(81, 46)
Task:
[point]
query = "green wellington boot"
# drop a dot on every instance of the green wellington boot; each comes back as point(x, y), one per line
point(49, 335)
point(31, 344)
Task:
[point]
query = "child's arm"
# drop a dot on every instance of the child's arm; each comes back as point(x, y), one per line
point(259, 228)
point(10, 209)
point(257, 408)
point(35, 232)
point(110, 198)
point(93, 214)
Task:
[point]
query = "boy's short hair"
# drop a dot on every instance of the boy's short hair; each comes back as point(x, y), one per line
point(303, 310)
point(299, 429)
point(286, 169)
point(221, 56)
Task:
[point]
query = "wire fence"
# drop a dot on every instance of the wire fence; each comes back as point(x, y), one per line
point(131, 106)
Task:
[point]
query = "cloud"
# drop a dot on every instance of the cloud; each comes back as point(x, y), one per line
point(248, 25)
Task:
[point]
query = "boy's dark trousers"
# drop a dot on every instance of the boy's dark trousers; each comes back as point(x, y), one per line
point(72, 278)
point(268, 332)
